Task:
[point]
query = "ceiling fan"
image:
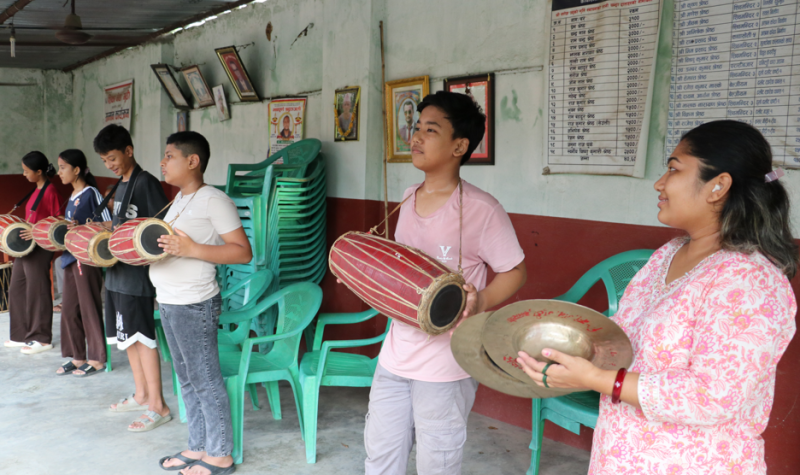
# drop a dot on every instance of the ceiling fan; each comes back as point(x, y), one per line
point(72, 32)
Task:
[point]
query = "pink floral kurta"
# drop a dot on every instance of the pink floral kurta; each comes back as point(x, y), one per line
point(706, 347)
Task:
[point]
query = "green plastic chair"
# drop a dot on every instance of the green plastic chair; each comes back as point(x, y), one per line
point(257, 180)
point(582, 408)
point(323, 367)
point(297, 306)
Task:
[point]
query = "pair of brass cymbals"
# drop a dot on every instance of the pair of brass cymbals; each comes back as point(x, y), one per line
point(487, 345)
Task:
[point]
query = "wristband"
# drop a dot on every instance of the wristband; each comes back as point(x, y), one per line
point(617, 391)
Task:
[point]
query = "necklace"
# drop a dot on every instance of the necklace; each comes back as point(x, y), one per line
point(187, 204)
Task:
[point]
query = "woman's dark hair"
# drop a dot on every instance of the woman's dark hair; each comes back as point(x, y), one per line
point(76, 158)
point(112, 137)
point(36, 161)
point(463, 113)
point(755, 215)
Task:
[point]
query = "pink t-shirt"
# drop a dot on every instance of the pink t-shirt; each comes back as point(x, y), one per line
point(488, 239)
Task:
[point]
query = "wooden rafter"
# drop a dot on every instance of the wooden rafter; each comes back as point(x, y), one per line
point(12, 10)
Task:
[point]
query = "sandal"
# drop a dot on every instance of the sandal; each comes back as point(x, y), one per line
point(186, 462)
point(151, 420)
point(214, 469)
point(88, 370)
point(57, 309)
point(34, 347)
point(131, 405)
point(68, 368)
point(13, 344)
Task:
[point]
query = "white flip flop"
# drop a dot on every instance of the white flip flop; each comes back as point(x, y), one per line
point(34, 347)
point(13, 344)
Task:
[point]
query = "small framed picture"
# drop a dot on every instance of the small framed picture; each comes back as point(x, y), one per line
point(345, 106)
point(402, 97)
point(198, 86)
point(183, 121)
point(481, 89)
point(232, 63)
point(222, 105)
point(170, 85)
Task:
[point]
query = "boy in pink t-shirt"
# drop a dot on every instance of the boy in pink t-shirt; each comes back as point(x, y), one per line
point(419, 391)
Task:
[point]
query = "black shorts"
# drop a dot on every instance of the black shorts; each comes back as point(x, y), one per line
point(129, 318)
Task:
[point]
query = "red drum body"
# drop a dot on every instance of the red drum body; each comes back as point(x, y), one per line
point(89, 245)
point(11, 242)
point(136, 241)
point(49, 233)
point(399, 281)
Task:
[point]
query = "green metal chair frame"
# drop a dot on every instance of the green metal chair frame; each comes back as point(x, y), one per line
point(576, 409)
point(297, 306)
point(323, 367)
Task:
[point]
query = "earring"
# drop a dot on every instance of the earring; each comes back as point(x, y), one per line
point(717, 187)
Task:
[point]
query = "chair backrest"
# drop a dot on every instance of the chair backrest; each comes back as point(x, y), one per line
point(298, 304)
point(616, 273)
point(256, 178)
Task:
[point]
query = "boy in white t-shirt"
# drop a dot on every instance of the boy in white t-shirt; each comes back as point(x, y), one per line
point(419, 390)
point(208, 232)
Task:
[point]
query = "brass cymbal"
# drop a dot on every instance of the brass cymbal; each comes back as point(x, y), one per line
point(533, 325)
point(472, 357)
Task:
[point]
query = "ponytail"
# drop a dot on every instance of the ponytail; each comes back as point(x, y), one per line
point(37, 161)
point(76, 159)
point(755, 215)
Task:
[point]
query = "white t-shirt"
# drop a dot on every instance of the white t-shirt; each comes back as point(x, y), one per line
point(183, 280)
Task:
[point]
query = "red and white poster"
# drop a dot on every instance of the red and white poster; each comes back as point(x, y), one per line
point(118, 100)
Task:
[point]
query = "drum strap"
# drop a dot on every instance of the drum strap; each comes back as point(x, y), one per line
point(98, 211)
point(126, 200)
point(374, 229)
point(35, 203)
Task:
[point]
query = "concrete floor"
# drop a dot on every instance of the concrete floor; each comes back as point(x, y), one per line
point(61, 425)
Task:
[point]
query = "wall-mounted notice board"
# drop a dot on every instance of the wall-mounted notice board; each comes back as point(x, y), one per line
point(737, 60)
point(600, 85)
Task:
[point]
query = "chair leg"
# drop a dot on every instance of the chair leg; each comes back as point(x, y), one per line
point(297, 391)
point(537, 431)
point(181, 405)
point(310, 410)
point(252, 389)
point(237, 416)
point(108, 357)
point(175, 383)
point(274, 398)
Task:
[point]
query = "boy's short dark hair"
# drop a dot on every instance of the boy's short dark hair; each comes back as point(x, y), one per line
point(463, 113)
point(112, 137)
point(192, 143)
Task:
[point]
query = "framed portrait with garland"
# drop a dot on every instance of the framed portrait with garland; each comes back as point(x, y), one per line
point(345, 113)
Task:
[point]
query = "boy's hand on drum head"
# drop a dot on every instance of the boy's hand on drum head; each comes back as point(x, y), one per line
point(474, 304)
point(26, 234)
point(178, 245)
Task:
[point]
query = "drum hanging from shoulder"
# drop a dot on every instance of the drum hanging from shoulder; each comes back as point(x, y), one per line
point(136, 241)
point(49, 233)
point(11, 242)
point(399, 281)
point(5, 284)
point(88, 243)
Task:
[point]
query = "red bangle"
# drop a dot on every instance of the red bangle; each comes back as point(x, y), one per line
point(617, 391)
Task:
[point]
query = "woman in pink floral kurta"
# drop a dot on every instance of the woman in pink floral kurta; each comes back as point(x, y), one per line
point(709, 317)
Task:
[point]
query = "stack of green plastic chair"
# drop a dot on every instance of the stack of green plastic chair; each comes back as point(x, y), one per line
point(582, 408)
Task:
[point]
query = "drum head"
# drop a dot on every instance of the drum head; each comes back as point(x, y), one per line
point(15, 243)
point(447, 305)
point(150, 236)
point(58, 234)
point(102, 250)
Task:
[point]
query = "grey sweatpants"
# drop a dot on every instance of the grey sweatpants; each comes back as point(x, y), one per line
point(402, 409)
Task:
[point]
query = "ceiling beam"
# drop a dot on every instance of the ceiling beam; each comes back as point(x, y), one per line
point(58, 44)
point(12, 10)
point(159, 33)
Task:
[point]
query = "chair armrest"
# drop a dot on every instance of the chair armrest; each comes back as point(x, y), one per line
point(338, 319)
point(329, 345)
point(237, 316)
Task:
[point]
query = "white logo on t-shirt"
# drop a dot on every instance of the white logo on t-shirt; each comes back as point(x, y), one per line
point(131, 213)
point(444, 257)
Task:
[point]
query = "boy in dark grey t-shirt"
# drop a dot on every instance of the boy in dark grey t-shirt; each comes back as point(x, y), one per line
point(129, 293)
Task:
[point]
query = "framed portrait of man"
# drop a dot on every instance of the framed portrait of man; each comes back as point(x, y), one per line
point(345, 106)
point(170, 85)
point(198, 85)
point(183, 121)
point(233, 66)
point(481, 89)
point(402, 97)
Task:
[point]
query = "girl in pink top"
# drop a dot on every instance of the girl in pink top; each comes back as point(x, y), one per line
point(709, 317)
point(30, 300)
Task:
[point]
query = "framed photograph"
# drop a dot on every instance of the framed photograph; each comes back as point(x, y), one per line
point(170, 85)
point(345, 107)
point(222, 105)
point(402, 97)
point(481, 89)
point(286, 122)
point(237, 74)
point(183, 121)
point(198, 86)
